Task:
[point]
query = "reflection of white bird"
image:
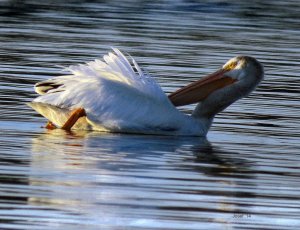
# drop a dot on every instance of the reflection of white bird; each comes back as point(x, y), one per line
point(114, 95)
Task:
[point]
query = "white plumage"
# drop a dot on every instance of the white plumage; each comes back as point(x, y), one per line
point(117, 96)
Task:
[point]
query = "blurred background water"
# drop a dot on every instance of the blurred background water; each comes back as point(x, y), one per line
point(245, 175)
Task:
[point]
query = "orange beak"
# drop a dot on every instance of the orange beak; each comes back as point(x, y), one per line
point(199, 90)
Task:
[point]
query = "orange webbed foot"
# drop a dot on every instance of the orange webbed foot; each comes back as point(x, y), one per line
point(50, 125)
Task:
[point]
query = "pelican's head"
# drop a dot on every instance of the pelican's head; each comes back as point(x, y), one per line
point(245, 71)
point(236, 79)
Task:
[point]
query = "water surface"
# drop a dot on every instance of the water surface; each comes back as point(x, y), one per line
point(244, 175)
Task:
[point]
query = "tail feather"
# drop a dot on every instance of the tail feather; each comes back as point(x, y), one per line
point(45, 86)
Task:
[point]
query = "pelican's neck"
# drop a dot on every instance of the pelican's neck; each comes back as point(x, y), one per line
point(204, 119)
point(206, 110)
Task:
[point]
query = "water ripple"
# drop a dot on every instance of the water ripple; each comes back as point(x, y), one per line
point(243, 177)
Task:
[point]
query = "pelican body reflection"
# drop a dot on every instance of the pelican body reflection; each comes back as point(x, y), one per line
point(122, 176)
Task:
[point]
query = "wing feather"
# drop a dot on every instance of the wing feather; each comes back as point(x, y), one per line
point(115, 67)
point(111, 92)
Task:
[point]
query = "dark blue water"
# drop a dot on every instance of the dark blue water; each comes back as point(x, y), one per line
point(245, 175)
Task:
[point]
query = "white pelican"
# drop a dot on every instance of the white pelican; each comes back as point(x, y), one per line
point(115, 95)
